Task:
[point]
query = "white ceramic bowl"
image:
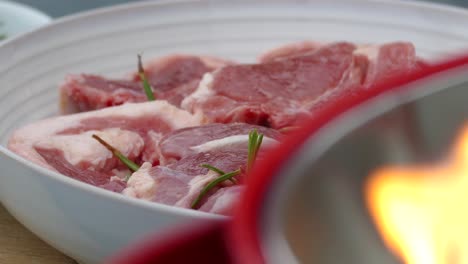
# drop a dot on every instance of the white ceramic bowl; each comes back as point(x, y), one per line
point(88, 223)
point(18, 18)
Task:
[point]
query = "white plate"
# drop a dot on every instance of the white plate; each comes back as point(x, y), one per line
point(18, 18)
point(88, 223)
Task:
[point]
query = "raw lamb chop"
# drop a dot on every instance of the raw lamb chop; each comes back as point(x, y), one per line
point(65, 143)
point(172, 78)
point(281, 91)
point(180, 182)
point(171, 187)
point(170, 137)
point(166, 185)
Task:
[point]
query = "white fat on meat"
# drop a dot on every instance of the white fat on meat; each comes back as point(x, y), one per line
point(174, 116)
point(221, 202)
point(203, 91)
point(224, 201)
point(152, 152)
point(195, 186)
point(229, 142)
point(145, 186)
point(141, 184)
point(23, 140)
point(370, 51)
point(83, 147)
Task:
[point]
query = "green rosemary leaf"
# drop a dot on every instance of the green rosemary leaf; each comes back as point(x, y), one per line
point(213, 184)
point(130, 164)
point(217, 170)
point(255, 141)
point(146, 85)
point(213, 168)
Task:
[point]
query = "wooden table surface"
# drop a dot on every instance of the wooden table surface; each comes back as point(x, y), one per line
point(18, 245)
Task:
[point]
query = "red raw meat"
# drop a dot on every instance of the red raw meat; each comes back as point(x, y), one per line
point(86, 92)
point(172, 78)
point(65, 143)
point(381, 62)
point(180, 182)
point(271, 94)
point(227, 159)
point(191, 140)
point(169, 186)
point(283, 90)
point(288, 84)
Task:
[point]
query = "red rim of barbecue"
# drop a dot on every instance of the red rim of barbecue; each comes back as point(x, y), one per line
point(243, 234)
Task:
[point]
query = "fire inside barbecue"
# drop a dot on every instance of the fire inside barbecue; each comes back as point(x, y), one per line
point(421, 212)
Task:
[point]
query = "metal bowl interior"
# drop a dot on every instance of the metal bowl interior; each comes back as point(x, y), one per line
point(317, 214)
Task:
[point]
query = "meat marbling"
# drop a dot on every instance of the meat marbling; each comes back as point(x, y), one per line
point(172, 78)
point(281, 91)
point(64, 143)
point(287, 84)
point(179, 182)
point(211, 137)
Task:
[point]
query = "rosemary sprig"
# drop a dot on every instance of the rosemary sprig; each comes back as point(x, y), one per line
point(255, 140)
point(130, 164)
point(213, 168)
point(144, 80)
point(213, 184)
point(217, 170)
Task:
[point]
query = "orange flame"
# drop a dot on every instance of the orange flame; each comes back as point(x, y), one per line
point(422, 211)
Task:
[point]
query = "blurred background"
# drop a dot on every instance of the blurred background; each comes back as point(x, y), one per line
point(57, 8)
